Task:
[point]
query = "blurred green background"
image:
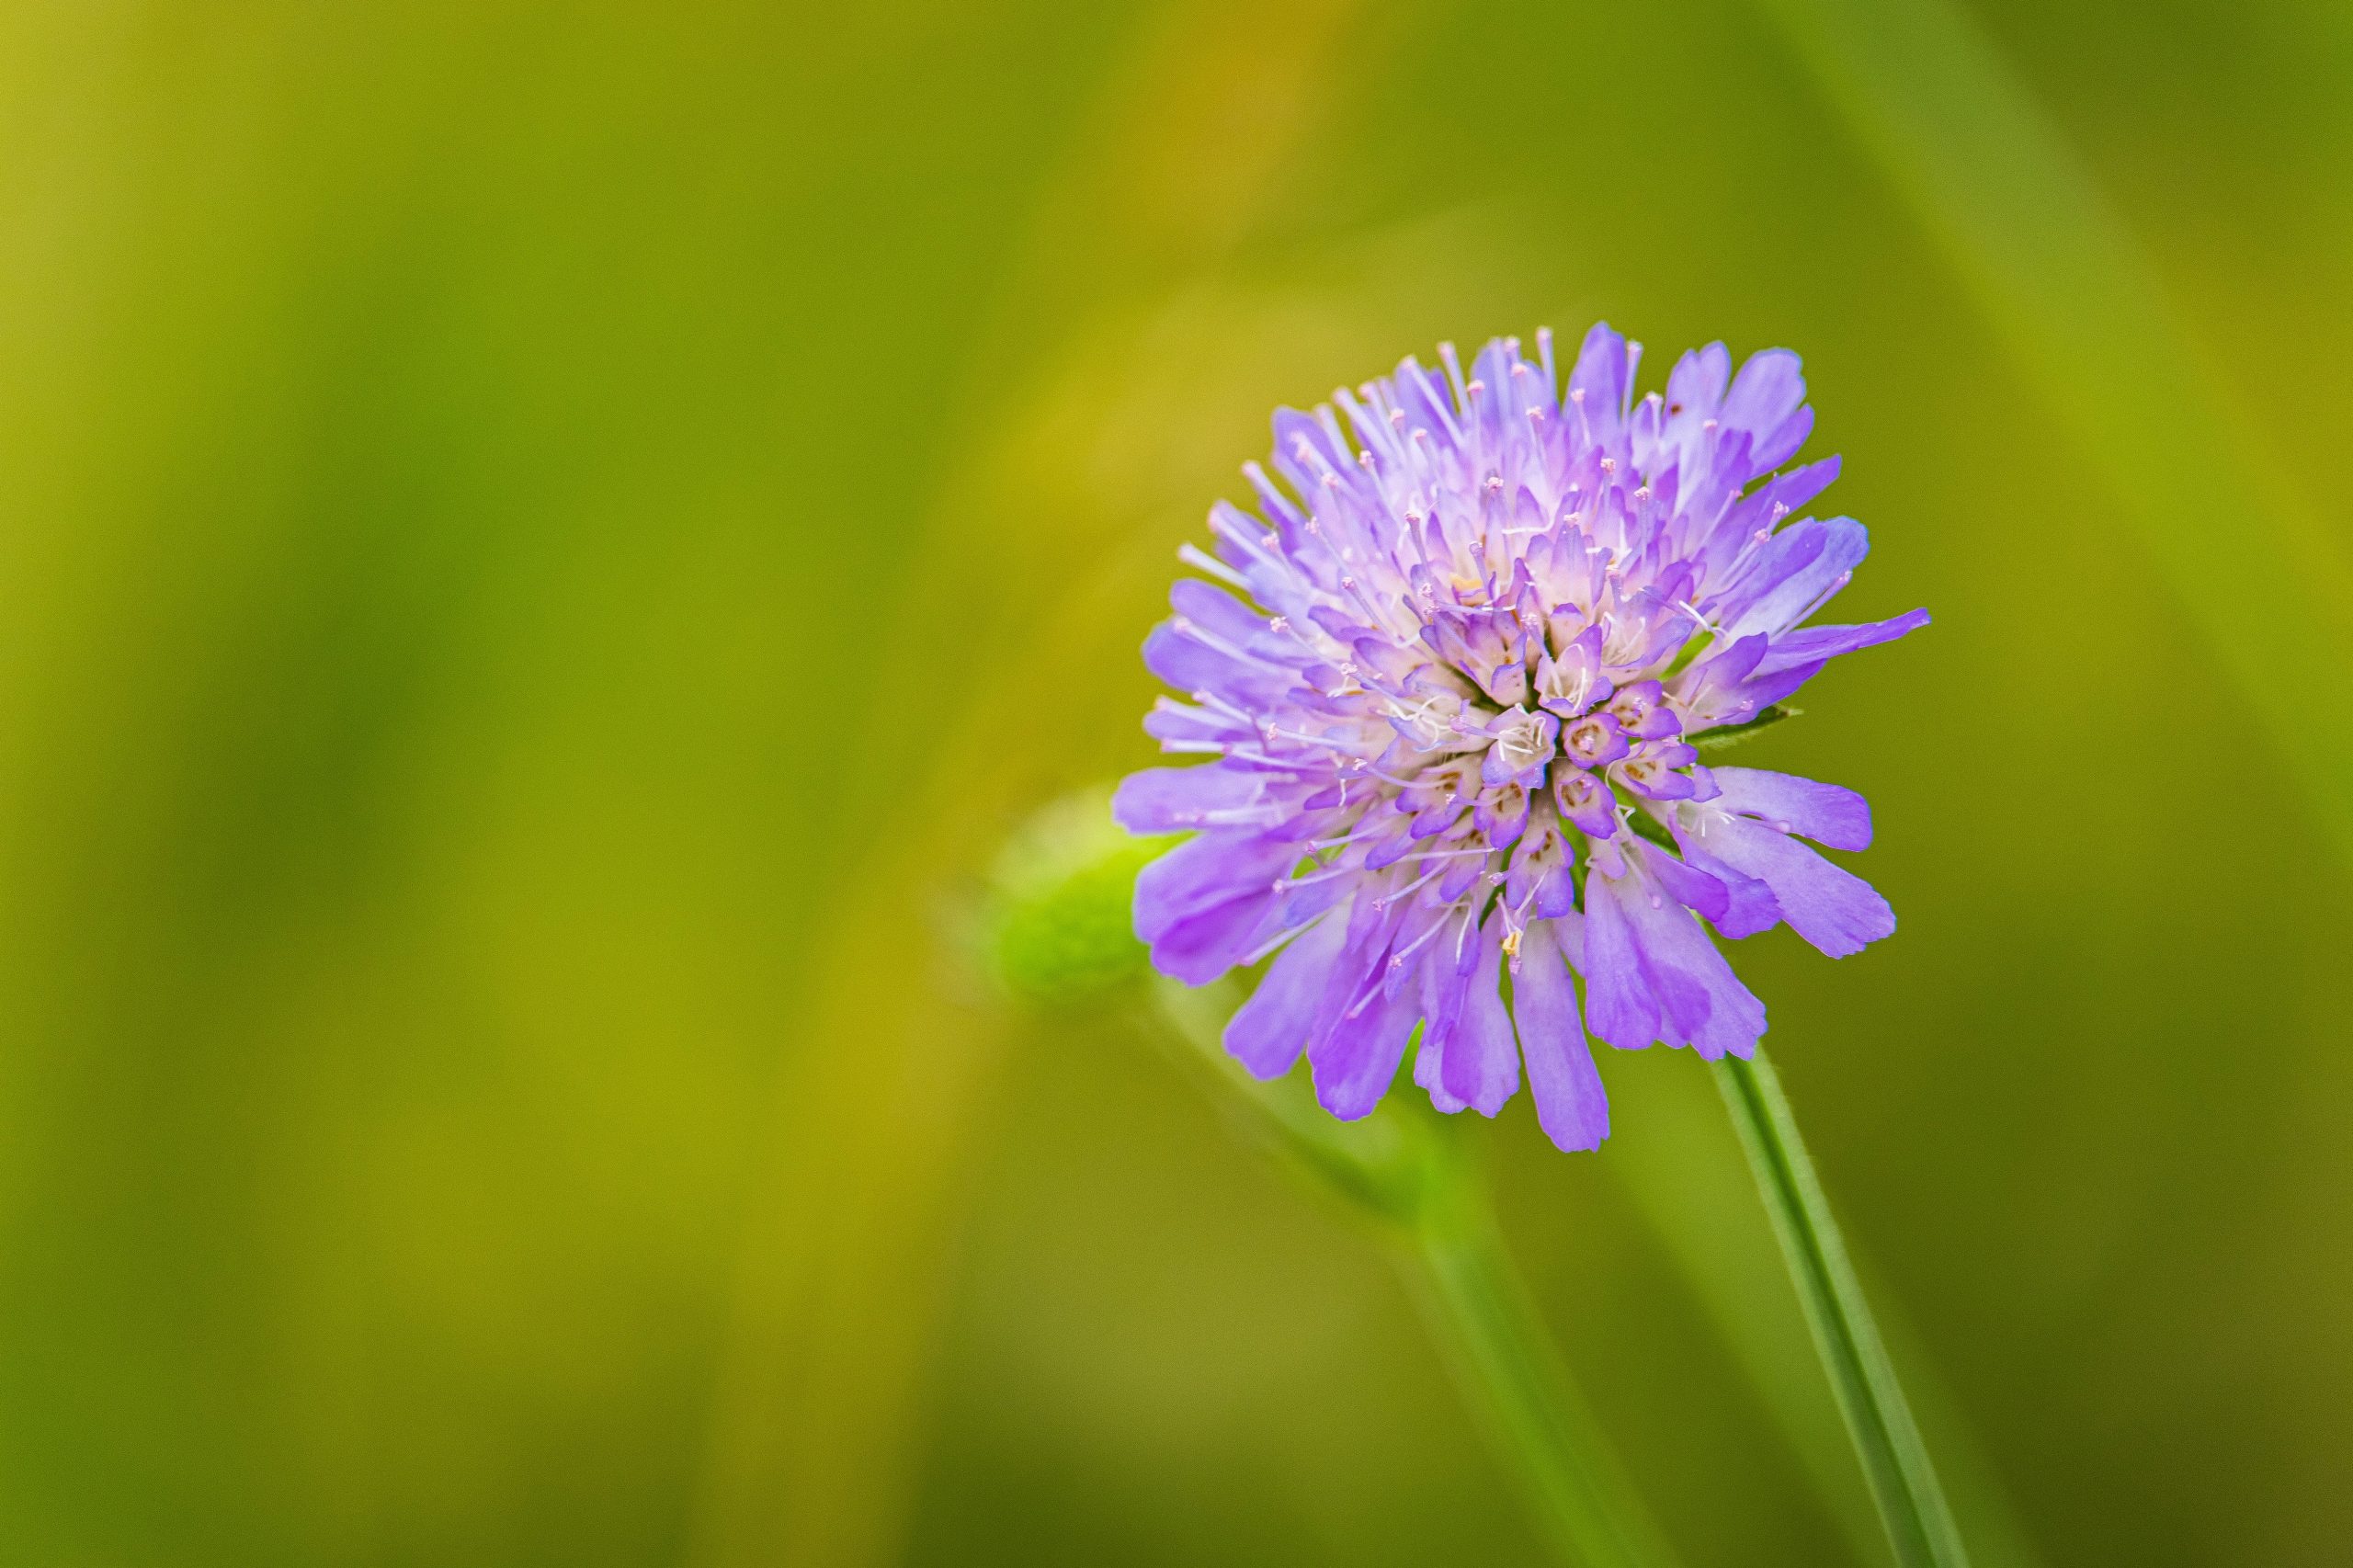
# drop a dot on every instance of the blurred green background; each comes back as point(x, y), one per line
point(543, 546)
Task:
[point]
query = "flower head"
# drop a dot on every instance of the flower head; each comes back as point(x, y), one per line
point(1456, 684)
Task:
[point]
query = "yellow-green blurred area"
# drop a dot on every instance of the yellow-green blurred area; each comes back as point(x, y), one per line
point(544, 548)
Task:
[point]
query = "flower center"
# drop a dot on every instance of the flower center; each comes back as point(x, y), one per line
point(1524, 742)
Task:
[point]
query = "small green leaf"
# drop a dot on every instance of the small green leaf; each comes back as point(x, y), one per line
point(1733, 734)
point(1060, 927)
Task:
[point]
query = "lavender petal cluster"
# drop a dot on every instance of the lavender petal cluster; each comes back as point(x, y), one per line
point(1452, 683)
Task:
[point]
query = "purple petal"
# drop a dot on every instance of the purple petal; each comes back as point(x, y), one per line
point(1324, 453)
point(1356, 1060)
point(1482, 1066)
point(1794, 489)
point(1189, 664)
point(1707, 686)
point(1199, 947)
point(1571, 1105)
point(1429, 1072)
point(1539, 877)
point(1763, 508)
point(1779, 445)
point(1204, 872)
point(1269, 1031)
point(1501, 815)
point(1748, 902)
point(1829, 907)
point(1766, 400)
point(1818, 644)
point(1423, 397)
point(1696, 385)
point(1585, 801)
point(1792, 575)
point(1176, 726)
point(1225, 615)
point(1444, 993)
point(1619, 1005)
point(1177, 799)
point(1604, 374)
point(1199, 905)
point(1695, 889)
point(1824, 812)
point(1698, 1000)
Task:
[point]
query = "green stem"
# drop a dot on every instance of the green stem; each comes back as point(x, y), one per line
point(1480, 1309)
point(1895, 1462)
point(1400, 1173)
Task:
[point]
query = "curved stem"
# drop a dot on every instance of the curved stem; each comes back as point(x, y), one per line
point(1895, 1462)
point(1396, 1170)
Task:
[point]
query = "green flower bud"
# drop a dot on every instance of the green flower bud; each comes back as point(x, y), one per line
point(1060, 927)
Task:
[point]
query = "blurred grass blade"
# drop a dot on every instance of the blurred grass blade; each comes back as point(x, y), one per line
point(1887, 1440)
point(813, 1441)
point(1398, 1170)
point(2081, 306)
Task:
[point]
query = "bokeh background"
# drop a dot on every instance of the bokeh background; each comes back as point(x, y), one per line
point(543, 546)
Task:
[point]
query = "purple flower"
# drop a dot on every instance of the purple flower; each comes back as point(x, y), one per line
point(1452, 684)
